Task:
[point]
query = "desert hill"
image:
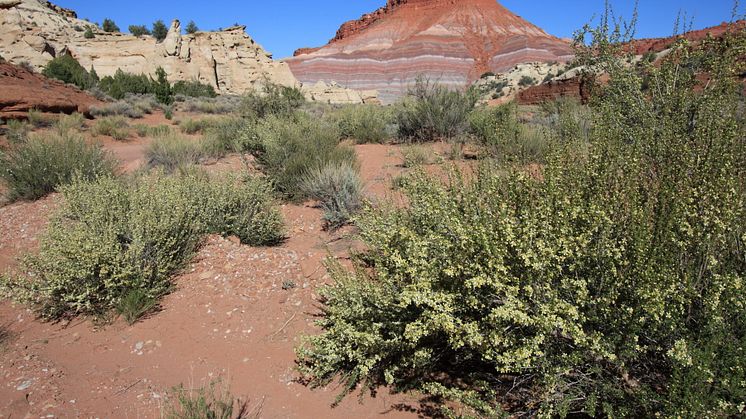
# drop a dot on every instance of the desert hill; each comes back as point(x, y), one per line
point(453, 42)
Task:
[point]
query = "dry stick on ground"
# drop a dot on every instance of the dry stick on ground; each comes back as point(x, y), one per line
point(124, 390)
point(283, 326)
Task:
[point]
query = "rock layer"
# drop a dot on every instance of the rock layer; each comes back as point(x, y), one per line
point(35, 31)
point(453, 42)
point(22, 90)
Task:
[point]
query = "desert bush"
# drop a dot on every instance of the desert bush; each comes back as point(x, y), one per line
point(135, 304)
point(160, 30)
point(194, 88)
point(162, 88)
point(17, 131)
point(568, 120)
point(114, 244)
point(212, 401)
point(67, 69)
point(38, 166)
point(88, 34)
point(612, 287)
point(121, 83)
point(338, 188)
point(245, 209)
point(218, 105)
point(272, 99)
point(291, 146)
point(191, 28)
point(109, 26)
point(116, 127)
point(526, 81)
point(143, 103)
point(39, 119)
point(67, 123)
point(432, 112)
point(139, 30)
point(194, 126)
point(506, 139)
point(415, 155)
point(119, 107)
point(364, 123)
point(232, 135)
point(173, 152)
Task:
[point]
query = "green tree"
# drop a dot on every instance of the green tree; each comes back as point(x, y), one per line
point(160, 31)
point(109, 26)
point(88, 33)
point(191, 27)
point(67, 69)
point(162, 88)
point(139, 30)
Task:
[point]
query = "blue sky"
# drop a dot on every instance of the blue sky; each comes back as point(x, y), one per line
point(281, 26)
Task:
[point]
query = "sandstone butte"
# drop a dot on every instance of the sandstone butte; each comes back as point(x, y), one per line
point(35, 31)
point(449, 41)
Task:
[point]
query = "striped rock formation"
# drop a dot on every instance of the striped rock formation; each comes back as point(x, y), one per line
point(451, 41)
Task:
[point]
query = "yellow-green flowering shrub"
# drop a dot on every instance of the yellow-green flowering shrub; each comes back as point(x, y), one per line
point(613, 286)
point(111, 238)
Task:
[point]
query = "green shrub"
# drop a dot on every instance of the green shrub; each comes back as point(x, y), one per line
point(506, 139)
point(109, 26)
point(338, 188)
point(415, 155)
point(231, 135)
point(67, 123)
point(193, 88)
point(218, 105)
point(17, 131)
point(135, 304)
point(162, 88)
point(121, 83)
point(432, 112)
point(213, 402)
point(88, 34)
point(40, 165)
point(244, 209)
point(613, 287)
point(364, 123)
point(117, 108)
point(272, 99)
point(116, 245)
point(67, 69)
point(160, 30)
point(173, 152)
point(291, 146)
point(38, 119)
point(194, 126)
point(191, 28)
point(526, 81)
point(116, 127)
point(139, 30)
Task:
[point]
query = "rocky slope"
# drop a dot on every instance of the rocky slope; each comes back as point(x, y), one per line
point(22, 90)
point(35, 31)
point(451, 41)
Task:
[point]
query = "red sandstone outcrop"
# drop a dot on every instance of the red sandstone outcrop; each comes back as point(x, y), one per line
point(453, 42)
point(574, 86)
point(22, 90)
point(643, 46)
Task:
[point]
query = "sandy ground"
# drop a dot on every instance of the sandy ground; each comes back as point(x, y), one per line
point(229, 318)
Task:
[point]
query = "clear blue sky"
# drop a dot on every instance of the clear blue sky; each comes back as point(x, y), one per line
point(281, 26)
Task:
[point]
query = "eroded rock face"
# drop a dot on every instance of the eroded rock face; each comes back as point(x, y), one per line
point(35, 31)
point(21, 90)
point(453, 42)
